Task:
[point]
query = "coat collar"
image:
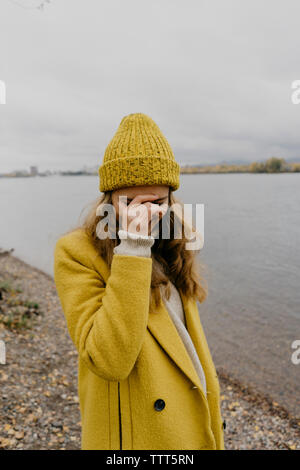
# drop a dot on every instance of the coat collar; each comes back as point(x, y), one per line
point(163, 329)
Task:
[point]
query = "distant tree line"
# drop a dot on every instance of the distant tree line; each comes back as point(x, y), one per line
point(272, 165)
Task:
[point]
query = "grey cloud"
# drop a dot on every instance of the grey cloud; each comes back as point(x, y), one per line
point(215, 76)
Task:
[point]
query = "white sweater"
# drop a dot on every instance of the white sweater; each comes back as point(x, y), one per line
point(137, 245)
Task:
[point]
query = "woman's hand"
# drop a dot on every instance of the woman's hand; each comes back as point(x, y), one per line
point(140, 214)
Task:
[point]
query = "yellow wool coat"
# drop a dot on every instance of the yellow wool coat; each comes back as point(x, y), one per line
point(137, 386)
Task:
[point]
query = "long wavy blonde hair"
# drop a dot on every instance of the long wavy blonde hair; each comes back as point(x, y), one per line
point(171, 261)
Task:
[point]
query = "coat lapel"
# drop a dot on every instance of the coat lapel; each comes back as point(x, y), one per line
point(196, 332)
point(163, 329)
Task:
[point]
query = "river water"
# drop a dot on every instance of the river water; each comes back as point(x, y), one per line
point(251, 255)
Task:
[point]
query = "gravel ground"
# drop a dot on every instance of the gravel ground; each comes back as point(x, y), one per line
point(39, 406)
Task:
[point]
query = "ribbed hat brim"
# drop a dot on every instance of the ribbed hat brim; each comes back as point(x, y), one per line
point(139, 170)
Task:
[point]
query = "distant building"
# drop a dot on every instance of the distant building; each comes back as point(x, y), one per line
point(19, 173)
point(34, 170)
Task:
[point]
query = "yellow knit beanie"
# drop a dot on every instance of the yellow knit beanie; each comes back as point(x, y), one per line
point(138, 154)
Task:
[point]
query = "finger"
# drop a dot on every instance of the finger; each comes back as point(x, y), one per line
point(144, 214)
point(122, 201)
point(140, 223)
point(137, 210)
point(142, 197)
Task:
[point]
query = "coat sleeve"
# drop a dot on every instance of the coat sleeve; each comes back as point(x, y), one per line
point(107, 322)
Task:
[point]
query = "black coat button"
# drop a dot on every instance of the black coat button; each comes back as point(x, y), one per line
point(159, 404)
point(224, 424)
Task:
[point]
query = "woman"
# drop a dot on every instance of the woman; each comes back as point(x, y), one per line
point(146, 379)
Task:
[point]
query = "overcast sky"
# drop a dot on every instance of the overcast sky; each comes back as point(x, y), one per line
point(214, 75)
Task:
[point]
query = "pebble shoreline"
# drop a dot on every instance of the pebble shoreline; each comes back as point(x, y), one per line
point(39, 407)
